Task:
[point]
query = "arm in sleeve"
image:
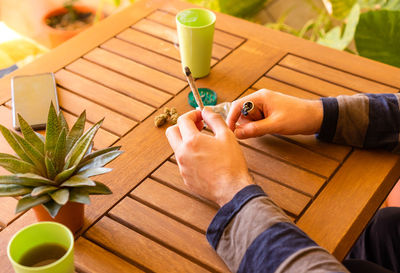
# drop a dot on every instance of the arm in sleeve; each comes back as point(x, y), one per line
point(252, 234)
point(363, 120)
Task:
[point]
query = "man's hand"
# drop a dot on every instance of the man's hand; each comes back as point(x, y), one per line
point(275, 113)
point(212, 166)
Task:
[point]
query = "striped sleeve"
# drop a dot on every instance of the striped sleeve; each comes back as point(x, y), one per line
point(363, 120)
point(252, 234)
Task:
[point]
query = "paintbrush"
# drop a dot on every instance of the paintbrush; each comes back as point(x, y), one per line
point(193, 87)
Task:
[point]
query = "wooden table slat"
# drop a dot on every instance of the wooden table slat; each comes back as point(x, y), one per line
point(89, 257)
point(100, 94)
point(220, 37)
point(113, 121)
point(7, 211)
point(137, 71)
point(336, 76)
point(121, 83)
point(168, 231)
point(304, 81)
point(169, 34)
point(186, 209)
point(138, 248)
point(146, 57)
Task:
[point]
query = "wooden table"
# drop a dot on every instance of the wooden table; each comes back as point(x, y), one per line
point(127, 69)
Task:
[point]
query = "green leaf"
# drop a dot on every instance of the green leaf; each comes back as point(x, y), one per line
point(9, 137)
point(60, 151)
point(240, 8)
point(64, 175)
point(15, 165)
point(30, 135)
point(52, 208)
point(341, 8)
point(53, 129)
point(28, 202)
point(99, 161)
point(76, 131)
point(378, 37)
point(61, 196)
point(98, 153)
point(62, 121)
point(78, 181)
point(93, 172)
point(79, 195)
point(42, 190)
point(100, 188)
point(13, 190)
point(35, 156)
point(51, 169)
point(334, 37)
point(79, 149)
point(42, 138)
point(27, 179)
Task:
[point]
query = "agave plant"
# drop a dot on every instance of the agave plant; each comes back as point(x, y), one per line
point(55, 169)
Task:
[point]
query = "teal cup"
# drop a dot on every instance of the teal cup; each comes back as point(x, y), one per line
point(195, 36)
point(42, 242)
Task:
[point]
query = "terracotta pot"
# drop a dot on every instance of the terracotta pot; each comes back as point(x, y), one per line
point(58, 36)
point(71, 215)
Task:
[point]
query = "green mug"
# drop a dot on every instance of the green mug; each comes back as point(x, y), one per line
point(43, 247)
point(195, 35)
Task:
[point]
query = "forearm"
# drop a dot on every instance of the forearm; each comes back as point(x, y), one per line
point(364, 120)
point(252, 234)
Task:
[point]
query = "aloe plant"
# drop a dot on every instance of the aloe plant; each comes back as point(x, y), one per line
point(54, 169)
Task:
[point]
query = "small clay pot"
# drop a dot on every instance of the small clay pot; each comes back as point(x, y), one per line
point(71, 215)
point(58, 36)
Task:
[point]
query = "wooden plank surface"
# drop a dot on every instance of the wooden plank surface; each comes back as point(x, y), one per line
point(168, 231)
point(7, 210)
point(188, 210)
point(89, 257)
point(120, 83)
point(334, 219)
point(101, 95)
point(146, 57)
point(138, 248)
point(113, 122)
point(304, 81)
point(336, 76)
point(136, 71)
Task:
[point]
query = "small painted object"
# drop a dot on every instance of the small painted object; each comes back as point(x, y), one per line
point(248, 106)
point(208, 97)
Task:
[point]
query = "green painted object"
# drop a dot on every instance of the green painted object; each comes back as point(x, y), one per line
point(208, 97)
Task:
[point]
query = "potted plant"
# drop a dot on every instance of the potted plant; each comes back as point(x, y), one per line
point(52, 174)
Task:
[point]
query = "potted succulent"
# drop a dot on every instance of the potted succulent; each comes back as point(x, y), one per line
point(52, 174)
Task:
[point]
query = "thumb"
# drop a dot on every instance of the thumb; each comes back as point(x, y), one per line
point(214, 121)
point(255, 128)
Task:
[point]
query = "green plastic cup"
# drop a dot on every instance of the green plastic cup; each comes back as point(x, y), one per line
point(195, 34)
point(42, 233)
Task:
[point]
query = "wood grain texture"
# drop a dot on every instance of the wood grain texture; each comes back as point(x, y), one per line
point(139, 248)
point(89, 257)
point(168, 231)
point(152, 43)
point(336, 76)
point(120, 83)
point(183, 208)
point(7, 210)
point(137, 71)
point(146, 57)
point(146, 147)
point(345, 61)
point(101, 95)
point(301, 80)
point(220, 37)
point(334, 219)
point(170, 34)
point(113, 122)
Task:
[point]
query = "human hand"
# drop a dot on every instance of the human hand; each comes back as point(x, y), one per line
point(211, 166)
point(275, 113)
